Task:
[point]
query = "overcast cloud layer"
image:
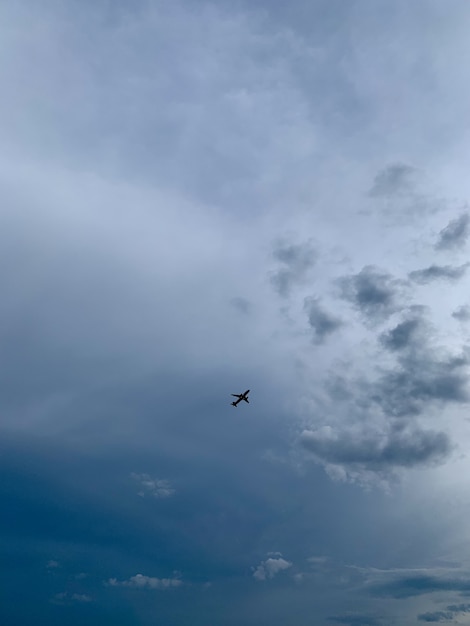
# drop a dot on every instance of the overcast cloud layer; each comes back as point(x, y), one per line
point(198, 199)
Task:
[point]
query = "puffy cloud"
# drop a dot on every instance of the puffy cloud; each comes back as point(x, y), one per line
point(156, 487)
point(139, 581)
point(70, 598)
point(270, 567)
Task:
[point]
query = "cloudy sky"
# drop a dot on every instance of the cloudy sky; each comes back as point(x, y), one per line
point(196, 199)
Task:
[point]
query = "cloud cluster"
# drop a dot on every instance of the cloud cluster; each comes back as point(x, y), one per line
point(139, 581)
point(270, 567)
point(384, 432)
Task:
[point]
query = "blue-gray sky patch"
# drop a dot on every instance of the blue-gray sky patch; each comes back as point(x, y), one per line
point(185, 216)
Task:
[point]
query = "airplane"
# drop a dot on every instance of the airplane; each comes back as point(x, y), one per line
point(241, 396)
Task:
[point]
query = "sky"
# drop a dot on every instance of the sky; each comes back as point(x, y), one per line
point(200, 198)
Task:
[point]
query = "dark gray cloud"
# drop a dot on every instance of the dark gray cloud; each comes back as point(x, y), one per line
point(459, 608)
point(378, 452)
point(322, 323)
point(296, 260)
point(436, 272)
point(455, 234)
point(421, 378)
point(436, 616)
point(403, 335)
point(373, 292)
point(462, 313)
point(451, 611)
point(418, 585)
point(395, 180)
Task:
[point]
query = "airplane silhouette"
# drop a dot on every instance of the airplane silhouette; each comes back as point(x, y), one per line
point(241, 396)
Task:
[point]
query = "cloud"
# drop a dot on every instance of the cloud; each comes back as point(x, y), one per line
point(421, 377)
point(417, 585)
point(459, 608)
point(451, 611)
point(66, 597)
point(436, 272)
point(322, 323)
point(241, 304)
point(270, 567)
point(436, 616)
point(367, 439)
point(53, 564)
point(356, 620)
point(158, 488)
point(372, 292)
point(455, 234)
point(404, 335)
point(296, 260)
point(139, 581)
point(394, 180)
point(462, 313)
point(377, 452)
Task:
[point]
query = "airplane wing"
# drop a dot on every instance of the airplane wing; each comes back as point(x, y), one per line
point(237, 395)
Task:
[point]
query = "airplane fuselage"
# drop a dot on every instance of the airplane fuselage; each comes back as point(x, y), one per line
point(240, 397)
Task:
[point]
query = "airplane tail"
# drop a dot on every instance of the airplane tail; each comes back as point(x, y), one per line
point(234, 404)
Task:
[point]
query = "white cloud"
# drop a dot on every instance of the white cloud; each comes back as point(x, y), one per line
point(53, 564)
point(139, 581)
point(156, 487)
point(270, 567)
point(66, 597)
